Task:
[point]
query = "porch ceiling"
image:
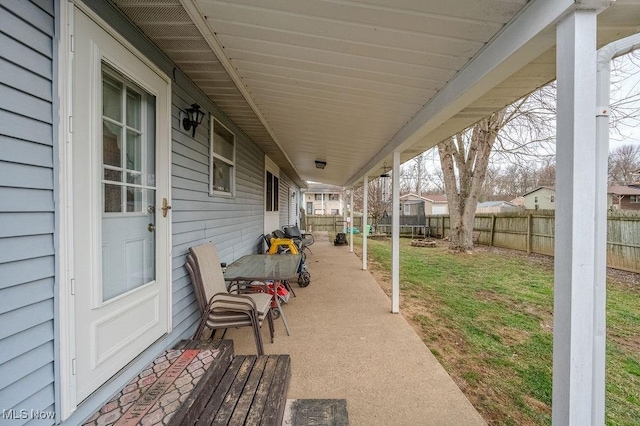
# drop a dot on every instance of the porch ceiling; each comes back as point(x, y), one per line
point(348, 82)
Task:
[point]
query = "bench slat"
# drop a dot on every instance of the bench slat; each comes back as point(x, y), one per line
point(262, 393)
point(248, 393)
point(274, 408)
point(191, 408)
point(217, 396)
point(231, 399)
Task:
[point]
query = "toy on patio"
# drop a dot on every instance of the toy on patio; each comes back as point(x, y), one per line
point(280, 244)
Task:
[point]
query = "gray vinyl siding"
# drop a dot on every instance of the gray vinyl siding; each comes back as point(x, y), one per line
point(286, 184)
point(26, 206)
point(234, 224)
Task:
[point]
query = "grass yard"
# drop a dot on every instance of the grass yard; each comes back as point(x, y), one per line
point(487, 317)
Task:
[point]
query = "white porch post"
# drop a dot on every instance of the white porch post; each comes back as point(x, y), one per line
point(344, 210)
point(395, 236)
point(365, 213)
point(576, 228)
point(351, 221)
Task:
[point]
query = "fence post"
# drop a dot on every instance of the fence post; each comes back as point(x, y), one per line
point(529, 233)
point(493, 227)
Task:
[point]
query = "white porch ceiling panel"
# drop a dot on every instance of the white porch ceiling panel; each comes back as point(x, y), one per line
point(335, 80)
point(346, 81)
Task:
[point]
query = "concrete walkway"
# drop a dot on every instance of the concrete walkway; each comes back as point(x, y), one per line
point(346, 344)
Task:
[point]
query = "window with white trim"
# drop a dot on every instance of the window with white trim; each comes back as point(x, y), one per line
point(634, 199)
point(222, 159)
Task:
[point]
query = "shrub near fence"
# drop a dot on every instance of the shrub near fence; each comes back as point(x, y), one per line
point(533, 232)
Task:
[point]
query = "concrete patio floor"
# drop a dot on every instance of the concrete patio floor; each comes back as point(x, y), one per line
point(345, 343)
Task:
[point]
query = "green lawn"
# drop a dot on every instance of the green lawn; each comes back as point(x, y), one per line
point(487, 317)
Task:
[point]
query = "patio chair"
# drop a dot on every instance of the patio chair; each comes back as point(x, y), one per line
point(221, 309)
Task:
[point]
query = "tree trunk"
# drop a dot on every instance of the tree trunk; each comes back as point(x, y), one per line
point(464, 159)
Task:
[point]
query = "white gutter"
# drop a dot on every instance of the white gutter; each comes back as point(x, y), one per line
point(605, 55)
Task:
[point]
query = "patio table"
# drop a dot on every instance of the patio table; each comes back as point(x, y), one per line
point(265, 267)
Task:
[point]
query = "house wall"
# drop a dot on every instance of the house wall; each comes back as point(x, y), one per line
point(544, 200)
point(27, 262)
point(28, 125)
point(440, 208)
point(288, 216)
point(624, 203)
point(319, 207)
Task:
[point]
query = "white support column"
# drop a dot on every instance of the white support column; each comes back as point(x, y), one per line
point(351, 222)
point(365, 213)
point(395, 236)
point(576, 229)
point(344, 211)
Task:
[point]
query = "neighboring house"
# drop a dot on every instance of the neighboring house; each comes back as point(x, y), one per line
point(440, 205)
point(323, 200)
point(497, 207)
point(623, 197)
point(541, 198)
point(518, 201)
point(415, 205)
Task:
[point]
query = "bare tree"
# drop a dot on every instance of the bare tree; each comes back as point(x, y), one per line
point(464, 159)
point(624, 162)
point(378, 199)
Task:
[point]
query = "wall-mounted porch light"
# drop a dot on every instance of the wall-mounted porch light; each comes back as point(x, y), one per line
point(321, 164)
point(193, 118)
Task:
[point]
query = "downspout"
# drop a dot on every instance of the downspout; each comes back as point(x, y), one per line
point(603, 99)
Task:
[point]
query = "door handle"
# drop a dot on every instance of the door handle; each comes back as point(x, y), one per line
point(165, 207)
point(151, 227)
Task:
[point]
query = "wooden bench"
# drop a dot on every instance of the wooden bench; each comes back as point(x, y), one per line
point(201, 382)
point(248, 390)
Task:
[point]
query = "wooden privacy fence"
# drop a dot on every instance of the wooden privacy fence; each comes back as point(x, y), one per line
point(529, 231)
point(329, 223)
point(533, 232)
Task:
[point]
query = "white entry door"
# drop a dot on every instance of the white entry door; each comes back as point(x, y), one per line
point(120, 165)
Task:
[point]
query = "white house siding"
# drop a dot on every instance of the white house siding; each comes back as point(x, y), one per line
point(27, 272)
point(544, 202)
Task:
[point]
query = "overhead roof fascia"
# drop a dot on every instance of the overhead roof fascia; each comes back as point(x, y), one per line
point(526, 37)
point(200, 22)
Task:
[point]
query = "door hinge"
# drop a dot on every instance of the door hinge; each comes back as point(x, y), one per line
point(71, 124)
point(73, 366)
point(73, 286)
point(71, 43)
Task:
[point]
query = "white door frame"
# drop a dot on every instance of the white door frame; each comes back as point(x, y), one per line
point(65, 302)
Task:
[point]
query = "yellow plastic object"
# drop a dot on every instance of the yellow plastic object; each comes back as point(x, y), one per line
point(287, 243)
